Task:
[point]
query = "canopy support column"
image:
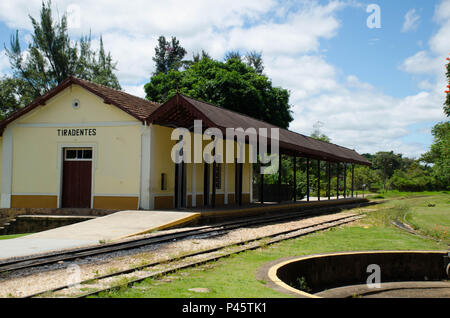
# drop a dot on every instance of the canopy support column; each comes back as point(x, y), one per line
point(337, 180)
point(318, 180)
point(345, 180)
point(307, 179)
point(295, 178)
point(353, 177)
point(329, 180)
point(279, 176)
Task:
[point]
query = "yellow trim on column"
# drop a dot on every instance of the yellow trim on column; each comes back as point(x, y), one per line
point(34, 201)
point(116, 203)
point(163, 202)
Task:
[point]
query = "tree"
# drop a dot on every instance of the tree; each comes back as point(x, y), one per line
point(168, 55)
point(439, 154)
point(447, 92)
point(365, 176)
point(386, 163)
point(233, 55)
point(102, 70)
point(231, 84)
point(413, 179)
point(319, 136)
point(10, 88)
point(254, 59)
point(52, 56)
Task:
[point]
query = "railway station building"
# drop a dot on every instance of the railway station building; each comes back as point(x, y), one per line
point(84, 145)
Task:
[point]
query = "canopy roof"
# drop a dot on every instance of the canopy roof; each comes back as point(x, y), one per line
point(181, 111)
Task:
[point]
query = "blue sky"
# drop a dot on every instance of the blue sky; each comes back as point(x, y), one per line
point(373, 89)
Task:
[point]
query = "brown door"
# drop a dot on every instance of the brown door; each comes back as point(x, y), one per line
point(77, 178)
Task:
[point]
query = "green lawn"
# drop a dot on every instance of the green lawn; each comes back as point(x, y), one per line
point(7, 237)
point(235, 276)
point(431, 217)
point(398, 194)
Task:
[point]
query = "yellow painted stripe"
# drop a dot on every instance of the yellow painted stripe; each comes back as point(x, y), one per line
point(164, 226)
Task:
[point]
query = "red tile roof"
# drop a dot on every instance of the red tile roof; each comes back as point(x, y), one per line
point(137, 107)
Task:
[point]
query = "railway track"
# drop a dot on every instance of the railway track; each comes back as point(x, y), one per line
point(191, 260)
point(211, 230)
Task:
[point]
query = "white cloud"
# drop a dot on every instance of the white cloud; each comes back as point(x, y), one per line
point(305, 75)
point(136, 90)
point(421, 63)
point(355, 113)
point(300, 33)
point(411, 21)
point(4, 63)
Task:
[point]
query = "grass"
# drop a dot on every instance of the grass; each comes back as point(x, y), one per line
point(432, 218)
point(398, 194)
point(234, 276)
point(12, 236)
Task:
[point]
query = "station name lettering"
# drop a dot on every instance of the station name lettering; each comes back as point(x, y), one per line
point(77, 132)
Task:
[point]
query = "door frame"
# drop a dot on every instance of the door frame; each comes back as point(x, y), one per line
point(60, 167)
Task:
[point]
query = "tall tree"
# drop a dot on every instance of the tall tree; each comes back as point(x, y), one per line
point(386, 163)
point(320, 136)
point(254, 59)
point(231, 84)
point(52, 56)
point(447, 92)
point(168, 55)
point(233, 55)
point(439, 154)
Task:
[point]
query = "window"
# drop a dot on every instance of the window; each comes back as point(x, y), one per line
point(78, 154)
point(218, 181)
point(163, 181)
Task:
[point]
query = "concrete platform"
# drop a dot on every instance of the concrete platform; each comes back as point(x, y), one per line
point(103, 229)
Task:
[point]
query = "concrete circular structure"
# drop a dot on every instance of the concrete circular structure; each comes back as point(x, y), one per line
point(355, 274)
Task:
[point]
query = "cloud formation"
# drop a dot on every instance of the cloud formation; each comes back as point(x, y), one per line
point(291, 36)
point(411, 21)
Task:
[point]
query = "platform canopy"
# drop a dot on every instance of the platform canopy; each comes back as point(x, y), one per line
point(181, 111)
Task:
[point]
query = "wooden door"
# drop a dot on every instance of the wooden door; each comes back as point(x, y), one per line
point(77, 178)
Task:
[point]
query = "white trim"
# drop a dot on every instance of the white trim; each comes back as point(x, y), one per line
point(60, 161)
point(48, 194)
point(225, 199)
point(152, 168)
point(7, 164)
point(71, 125)
point(116, 195)
point(194, 187)
point(144, 197)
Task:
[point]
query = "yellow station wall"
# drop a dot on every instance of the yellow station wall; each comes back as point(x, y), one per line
point(37, 155)
point(164, 199)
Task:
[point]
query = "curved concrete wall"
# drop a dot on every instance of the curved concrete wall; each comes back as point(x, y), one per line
point(335, 270)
